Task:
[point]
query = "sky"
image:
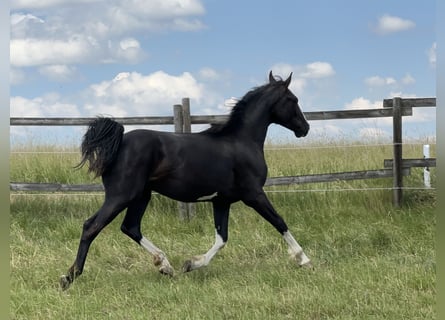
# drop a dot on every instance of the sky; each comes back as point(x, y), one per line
point(82, 58)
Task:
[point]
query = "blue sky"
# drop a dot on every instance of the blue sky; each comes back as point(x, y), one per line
point(74, 58)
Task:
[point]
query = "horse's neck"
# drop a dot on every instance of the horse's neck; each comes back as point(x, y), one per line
point(254, 129)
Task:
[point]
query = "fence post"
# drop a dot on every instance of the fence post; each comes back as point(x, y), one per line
point(187, 120)
point(397, 154)
point(177, 118)
point(179, 128)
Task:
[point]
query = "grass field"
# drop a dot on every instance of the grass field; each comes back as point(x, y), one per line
point(372, 261)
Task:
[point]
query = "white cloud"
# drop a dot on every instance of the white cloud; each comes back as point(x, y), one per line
point(40, 4)
point(408, 79)
point(26, 25)
point(41, 107)
point(389, 82)
point(362, 103)
point(128, 50)
point(58, 72)
point(129, 43)
point(209, 74)
point(127, 94)
point(388, 24)
point(19, 19)
point(377, 81)
point(303, 73)
point(432, 55)
point(160, 9)
point(313, 70)
point(32, 52)
point(318, 70)
point(51, 32)
point(139, 94)
point(76, 50)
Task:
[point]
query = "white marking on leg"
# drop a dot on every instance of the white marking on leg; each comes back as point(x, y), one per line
point(218, 245)
point(295, 249)
point(160, 259)
point(149, 246)
point(204, 260)
point(209, 197)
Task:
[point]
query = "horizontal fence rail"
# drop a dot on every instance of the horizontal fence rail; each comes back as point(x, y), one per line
point(274, 181)
point(86, 121)
point(409, 163)
point(55, 187)
point(333, 177)
point(412, 102)
point(205, 119)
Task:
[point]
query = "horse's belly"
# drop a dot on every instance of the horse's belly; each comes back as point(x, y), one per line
point(197, 188)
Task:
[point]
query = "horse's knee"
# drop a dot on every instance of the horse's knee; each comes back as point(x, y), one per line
point(87, 227)
point(87, 223)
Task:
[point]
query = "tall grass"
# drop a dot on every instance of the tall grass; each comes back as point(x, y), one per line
point(372, 261)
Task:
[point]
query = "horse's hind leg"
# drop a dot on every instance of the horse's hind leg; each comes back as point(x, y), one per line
point(131, 226)
point(91, 228)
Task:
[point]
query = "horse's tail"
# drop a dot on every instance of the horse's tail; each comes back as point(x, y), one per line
point(100, 144)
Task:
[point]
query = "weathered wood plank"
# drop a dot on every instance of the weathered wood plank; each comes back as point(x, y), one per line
point(331, 177)
point(397, 152)
point(317, 115)
point(408, 163)
point(412, 102)
point(55, 187)
point(168, 120)
point(187, 121)
point(354, 114)
point(274, 181)
point(204, 119)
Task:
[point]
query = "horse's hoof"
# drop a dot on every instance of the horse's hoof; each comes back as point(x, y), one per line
point(187, 266)
point(64, 282)
point(166, 270)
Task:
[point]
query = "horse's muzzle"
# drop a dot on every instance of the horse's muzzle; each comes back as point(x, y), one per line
point(302, 132)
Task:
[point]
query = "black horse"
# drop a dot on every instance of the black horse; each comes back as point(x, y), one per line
point(223, 164)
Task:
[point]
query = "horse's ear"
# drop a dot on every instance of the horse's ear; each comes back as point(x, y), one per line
point(288, 80)
point(271, 77)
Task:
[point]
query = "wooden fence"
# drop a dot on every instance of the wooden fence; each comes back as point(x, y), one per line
point(182, 121)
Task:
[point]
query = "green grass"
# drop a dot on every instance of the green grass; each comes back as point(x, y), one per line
point(372, 261)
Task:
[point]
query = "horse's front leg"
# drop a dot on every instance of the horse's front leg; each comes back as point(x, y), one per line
point(262, 205)
point(221, 216)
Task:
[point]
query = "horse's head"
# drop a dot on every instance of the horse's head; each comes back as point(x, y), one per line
point(286, 111)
